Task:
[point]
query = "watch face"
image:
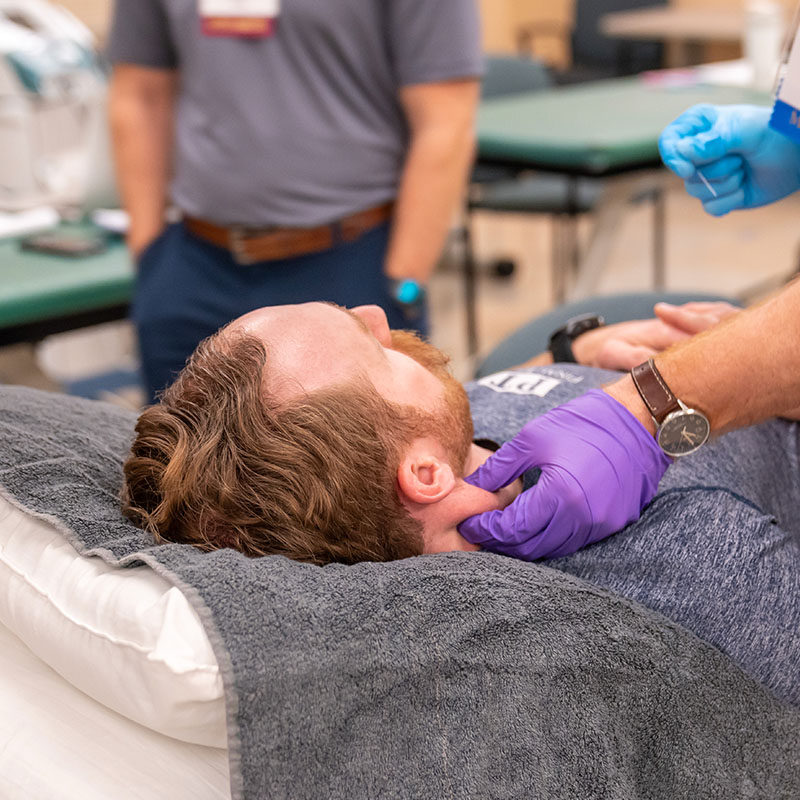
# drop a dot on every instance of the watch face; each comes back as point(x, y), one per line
point(683, 432)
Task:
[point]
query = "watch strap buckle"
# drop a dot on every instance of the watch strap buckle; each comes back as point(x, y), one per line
point(654, 391)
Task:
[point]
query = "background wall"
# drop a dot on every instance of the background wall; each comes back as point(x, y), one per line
point(501, 20)
point(95, 13)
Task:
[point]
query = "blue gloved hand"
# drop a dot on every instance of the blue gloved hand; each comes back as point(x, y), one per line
point(747, 163)
point(599, 468)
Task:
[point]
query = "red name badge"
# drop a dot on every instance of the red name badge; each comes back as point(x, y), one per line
point(241, 18)
point(251, 27)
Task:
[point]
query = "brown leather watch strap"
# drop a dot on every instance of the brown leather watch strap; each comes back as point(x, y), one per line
point(654, 391)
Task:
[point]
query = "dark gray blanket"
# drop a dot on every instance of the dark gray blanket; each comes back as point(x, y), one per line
point(454, 676)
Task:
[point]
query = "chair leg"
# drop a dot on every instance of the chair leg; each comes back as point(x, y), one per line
point(560, 260)
point(659, 238)
point(566, 249)
point(573, 257)
point(469, 286)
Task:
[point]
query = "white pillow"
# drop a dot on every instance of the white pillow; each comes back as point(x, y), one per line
point(126, 637)
point(58, 744)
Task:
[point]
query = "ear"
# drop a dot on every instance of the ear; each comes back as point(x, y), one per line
point(424, 476)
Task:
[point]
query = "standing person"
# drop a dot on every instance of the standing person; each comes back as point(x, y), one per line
point(315, 151)
point(740, 371)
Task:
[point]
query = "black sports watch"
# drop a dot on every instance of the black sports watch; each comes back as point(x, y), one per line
point(560, 342)
point(680, 430)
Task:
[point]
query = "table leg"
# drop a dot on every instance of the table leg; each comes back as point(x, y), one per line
point(607, 219)
point(573, 256)
point(558, 264)
point(659, 238)
point(469, 285)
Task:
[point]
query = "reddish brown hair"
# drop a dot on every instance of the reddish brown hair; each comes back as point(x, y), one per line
point(220, 462)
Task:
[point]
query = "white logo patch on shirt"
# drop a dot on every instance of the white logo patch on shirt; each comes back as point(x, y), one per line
point(561, 374)
point(525, 383)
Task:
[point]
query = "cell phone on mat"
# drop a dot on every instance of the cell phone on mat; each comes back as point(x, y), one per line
point(62, 243)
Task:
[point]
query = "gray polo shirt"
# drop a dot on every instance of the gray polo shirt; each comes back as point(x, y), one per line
point(303, 127)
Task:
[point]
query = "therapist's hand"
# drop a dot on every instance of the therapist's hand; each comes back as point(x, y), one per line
point(599, 468)
point(747, 163)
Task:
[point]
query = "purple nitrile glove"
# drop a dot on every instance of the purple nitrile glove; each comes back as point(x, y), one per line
point(599, 468)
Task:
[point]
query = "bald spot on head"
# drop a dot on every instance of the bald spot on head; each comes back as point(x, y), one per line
point(319, 345)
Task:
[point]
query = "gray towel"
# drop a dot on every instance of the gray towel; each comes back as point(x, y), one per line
point(452, 676)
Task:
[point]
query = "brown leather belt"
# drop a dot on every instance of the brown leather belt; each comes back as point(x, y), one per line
point(251, 245)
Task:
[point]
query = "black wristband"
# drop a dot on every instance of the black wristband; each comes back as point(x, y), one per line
point(560, 342)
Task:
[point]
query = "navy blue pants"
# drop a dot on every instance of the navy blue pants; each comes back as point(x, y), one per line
point(187, 289)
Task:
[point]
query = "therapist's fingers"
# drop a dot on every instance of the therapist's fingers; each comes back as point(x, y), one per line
point(675, 160)
point(501, 468)
point(678, 163)
point(723, 168)
point(719, 206)
point(704, 148)
point(695, 120)
point(550, 519)
point(517, 529)
point(697, 188)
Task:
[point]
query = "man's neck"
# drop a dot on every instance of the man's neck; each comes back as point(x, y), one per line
point(440, 520)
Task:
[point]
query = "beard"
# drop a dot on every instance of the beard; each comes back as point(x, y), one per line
point(451, 424)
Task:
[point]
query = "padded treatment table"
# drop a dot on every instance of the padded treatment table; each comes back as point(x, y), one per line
point(45, 294)
point(600, 129)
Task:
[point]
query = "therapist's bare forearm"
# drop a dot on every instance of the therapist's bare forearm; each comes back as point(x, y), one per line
point(441, 122)
point(742, 371)
point(141, 116)
point(433, 183)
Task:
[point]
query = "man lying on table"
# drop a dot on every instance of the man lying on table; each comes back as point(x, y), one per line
point(317, 433)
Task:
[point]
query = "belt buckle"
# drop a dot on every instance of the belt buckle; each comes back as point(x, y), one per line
point(237, 243)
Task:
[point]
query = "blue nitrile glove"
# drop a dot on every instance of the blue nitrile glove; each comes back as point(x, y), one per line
point(599, 468)
point(747, 163)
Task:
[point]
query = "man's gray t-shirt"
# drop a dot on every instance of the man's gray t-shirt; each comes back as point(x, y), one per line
point(717, 550)
point(303, 127)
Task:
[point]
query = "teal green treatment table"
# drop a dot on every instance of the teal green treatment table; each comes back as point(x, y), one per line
point(45, 294)
point(593, 129)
